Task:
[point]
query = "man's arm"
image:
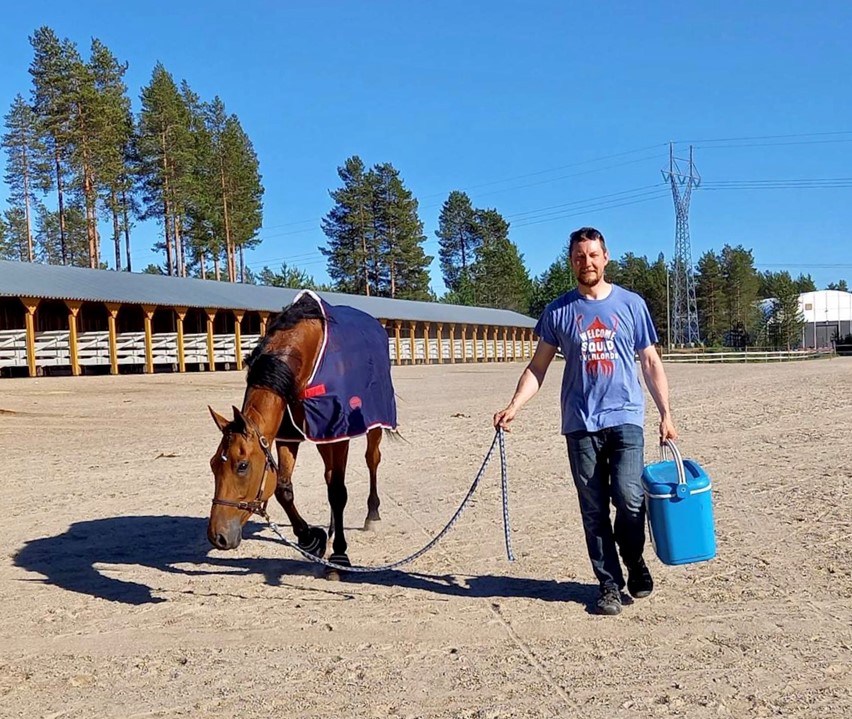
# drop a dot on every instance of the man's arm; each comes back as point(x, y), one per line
point(531, 380)
point(658, 386)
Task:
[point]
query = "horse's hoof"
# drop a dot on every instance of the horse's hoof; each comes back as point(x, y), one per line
point(314, 541)
point(336, 575)
point(372, 525)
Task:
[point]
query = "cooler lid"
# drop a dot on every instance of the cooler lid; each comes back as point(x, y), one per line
point(660, 478)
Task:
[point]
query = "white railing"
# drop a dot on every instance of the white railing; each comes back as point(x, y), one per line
point(745, 356)
point(52, 348)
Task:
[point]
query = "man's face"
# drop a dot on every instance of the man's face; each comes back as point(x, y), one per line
point(588, 260)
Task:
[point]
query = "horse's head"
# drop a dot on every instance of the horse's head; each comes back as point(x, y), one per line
point(245, 476)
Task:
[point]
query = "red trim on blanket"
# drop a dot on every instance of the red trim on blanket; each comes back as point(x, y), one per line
point(314, 391)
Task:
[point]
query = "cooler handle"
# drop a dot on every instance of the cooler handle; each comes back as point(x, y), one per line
point(682, 489)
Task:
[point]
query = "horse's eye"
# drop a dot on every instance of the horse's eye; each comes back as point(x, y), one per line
point(242, 467)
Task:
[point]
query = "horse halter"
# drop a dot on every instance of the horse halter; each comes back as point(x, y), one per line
point(257, 505)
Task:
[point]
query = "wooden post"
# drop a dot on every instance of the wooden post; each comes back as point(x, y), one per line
point(31, 304)
point(440, 344)
point(426, 358)
point(238, 336)
point(113, 309)
point(505, 344)
point(397, 327)
point(73, 311)
point(413, 342)
point(211, 355)
point(181, 315)
point(514, 343)
point(475, 347)
point(529, 343)
point(149, 338)
point(452, 343)
point(464, 343)
point(494, 342)
point(264, 317)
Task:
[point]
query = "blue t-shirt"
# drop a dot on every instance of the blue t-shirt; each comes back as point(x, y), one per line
point(599, 339)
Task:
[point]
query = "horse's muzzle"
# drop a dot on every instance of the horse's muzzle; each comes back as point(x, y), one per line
point(225, 535)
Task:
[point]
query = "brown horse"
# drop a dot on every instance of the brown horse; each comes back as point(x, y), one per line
point(282, 407)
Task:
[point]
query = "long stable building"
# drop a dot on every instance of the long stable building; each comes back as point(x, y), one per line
point(73, 320)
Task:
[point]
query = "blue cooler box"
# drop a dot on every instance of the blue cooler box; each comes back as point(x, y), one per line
point(680, 510)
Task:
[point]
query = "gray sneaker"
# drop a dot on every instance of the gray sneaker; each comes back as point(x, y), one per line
point(608, 601)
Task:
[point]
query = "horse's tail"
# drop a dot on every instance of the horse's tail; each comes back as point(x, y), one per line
point(394, 435)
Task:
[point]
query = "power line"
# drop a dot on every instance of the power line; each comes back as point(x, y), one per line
point(765, 137)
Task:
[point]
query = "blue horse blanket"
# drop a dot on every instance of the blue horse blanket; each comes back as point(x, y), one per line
point(350, 390)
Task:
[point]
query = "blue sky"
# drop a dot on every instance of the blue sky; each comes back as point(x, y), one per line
point(536, 109)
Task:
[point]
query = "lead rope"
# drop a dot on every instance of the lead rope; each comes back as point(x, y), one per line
point(499, 440)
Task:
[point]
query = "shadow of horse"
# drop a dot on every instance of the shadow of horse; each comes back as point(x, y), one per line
point(70, 560)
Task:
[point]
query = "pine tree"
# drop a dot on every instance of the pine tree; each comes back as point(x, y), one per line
point(289, 276)
point(113, 141)
point(24, 164)
point(710, 298)
point(349, 227)
point(500, 277)
point(400, 262)
point(14, 238)
point(554, 282)
point(786, 319)
point(49, 241)
point(805, 283)
point(740, 293)
point(458, 242)
point(165, 151)
point(53, 73)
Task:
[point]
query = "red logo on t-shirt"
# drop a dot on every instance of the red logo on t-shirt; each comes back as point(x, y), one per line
point(597, 348)
point(354, 402)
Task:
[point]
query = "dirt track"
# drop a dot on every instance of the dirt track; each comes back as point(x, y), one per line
point(114, 605)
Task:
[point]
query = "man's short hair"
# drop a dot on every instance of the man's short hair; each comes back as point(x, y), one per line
point(585, 234)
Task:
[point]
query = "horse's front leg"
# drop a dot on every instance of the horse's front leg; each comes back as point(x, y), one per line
point(334, 457)
point(311, 539)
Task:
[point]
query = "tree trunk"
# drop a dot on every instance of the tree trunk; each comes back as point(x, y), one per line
point(61, 200)
point(91, 236)
point(216, 271)
point(116, 228)
point(242, 266)
point(178, 248)
point(126, 229)
point(203, 265)
point(30, 254)
point(166, 208)
point(229, 250)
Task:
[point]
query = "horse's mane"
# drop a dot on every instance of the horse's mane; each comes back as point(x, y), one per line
point(266, 367)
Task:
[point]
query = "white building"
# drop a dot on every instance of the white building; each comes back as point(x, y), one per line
point(828, 314)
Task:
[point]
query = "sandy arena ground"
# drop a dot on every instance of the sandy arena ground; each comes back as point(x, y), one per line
point(114, 605)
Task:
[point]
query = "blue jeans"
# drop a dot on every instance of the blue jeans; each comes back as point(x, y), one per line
point(607, 466)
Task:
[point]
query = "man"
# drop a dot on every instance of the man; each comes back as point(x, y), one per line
point(599, 327)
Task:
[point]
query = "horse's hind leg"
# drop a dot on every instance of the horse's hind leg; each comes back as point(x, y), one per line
point(334, 457)
point(373, 456)
point(311, 539)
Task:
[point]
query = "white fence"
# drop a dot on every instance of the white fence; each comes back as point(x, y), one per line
point(720, 357)
point(52, 349)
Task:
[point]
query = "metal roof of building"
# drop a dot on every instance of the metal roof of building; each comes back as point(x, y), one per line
point(24, 279)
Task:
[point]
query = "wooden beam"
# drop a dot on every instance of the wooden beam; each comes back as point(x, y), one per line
point(426, 358)
point(505, 344)
point(31, 304)
point(211, 355)
point(180, 312)
point(514, 343)
point(494, 342)
point(73, 311)
point(149, 311)
point(475, 347)
point(238, 336)
point(464, 342)
point(264, 318)
point(397, 328)
point(440, 344)
point(413, 342)
point(452, 343)
point(112, 309)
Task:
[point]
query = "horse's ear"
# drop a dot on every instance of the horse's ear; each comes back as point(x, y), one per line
point(220, 421)
point(239, 418)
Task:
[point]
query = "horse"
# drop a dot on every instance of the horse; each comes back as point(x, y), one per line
point(321, 373)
